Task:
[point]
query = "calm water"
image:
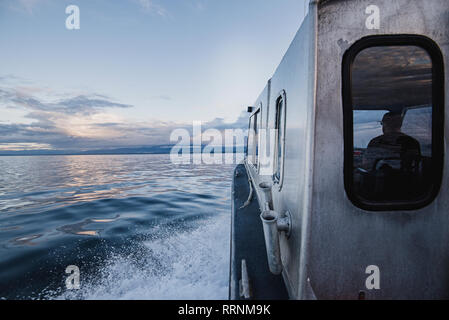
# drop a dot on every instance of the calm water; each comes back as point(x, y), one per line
point(137, 226)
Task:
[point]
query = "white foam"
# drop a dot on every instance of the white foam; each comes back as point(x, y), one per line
point(190, 264)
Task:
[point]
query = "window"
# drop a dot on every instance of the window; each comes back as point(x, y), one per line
point(256, 137)
point(279, 127)
point(253, 139)
point(250, 146)
point(393, 122)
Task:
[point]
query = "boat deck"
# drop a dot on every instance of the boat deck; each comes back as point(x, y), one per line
point(247, 242)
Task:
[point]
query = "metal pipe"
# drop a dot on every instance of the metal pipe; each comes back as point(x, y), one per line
point(270, 230)
point(266, 189)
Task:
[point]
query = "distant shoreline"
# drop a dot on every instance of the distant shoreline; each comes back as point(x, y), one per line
point(163, 149)
point(96, 154)
point(76, 154)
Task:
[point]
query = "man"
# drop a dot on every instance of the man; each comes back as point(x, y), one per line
point(392, 144)
point(393, 158)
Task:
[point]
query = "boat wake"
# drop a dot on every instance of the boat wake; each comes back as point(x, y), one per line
point(167, 264)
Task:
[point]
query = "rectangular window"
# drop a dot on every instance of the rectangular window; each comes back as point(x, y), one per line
point(393, 111)
point(250, 146)
point(253, 139)
point(256, 138)
point(280, 138)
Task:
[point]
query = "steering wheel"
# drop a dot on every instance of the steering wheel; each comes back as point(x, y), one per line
point(380, 163)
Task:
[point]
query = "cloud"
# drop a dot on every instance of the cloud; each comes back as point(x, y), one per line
point(27, 6)
point(24, 146)
point(81, 104)
point(61, 123)
point(162, 97)
point(391, 78)
point(81, 122)
point(199, 5)
point(152, 7)
point(36, 133)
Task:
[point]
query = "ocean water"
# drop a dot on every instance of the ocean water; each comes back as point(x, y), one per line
point(137, 226)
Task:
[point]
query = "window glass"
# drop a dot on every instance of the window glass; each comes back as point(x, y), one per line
point(256, 138)
point(392, 110)
point(279, 127)
point(253, 139)
point(250, 147)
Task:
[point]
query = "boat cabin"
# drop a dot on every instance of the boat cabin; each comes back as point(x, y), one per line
point(344, 192)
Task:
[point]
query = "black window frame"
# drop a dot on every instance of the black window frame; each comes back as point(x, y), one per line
point(438, 100)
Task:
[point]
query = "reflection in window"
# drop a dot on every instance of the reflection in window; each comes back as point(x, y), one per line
point(392, 123)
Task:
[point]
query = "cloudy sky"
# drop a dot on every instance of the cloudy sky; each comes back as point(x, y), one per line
point(135, 70)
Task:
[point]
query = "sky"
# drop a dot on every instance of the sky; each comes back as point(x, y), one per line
point(136, 69)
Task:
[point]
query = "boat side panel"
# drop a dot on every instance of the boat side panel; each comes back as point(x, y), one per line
point(411, 248)
point(295, 76)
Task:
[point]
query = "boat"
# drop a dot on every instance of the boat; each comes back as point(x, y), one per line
point(344, 190)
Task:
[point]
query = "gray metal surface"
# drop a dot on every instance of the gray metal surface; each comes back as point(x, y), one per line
point(295, 76)
point(411, 248)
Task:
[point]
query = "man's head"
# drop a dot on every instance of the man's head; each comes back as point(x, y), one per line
point(391, 122)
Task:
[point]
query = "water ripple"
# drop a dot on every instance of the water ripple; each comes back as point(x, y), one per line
point(159, 230)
